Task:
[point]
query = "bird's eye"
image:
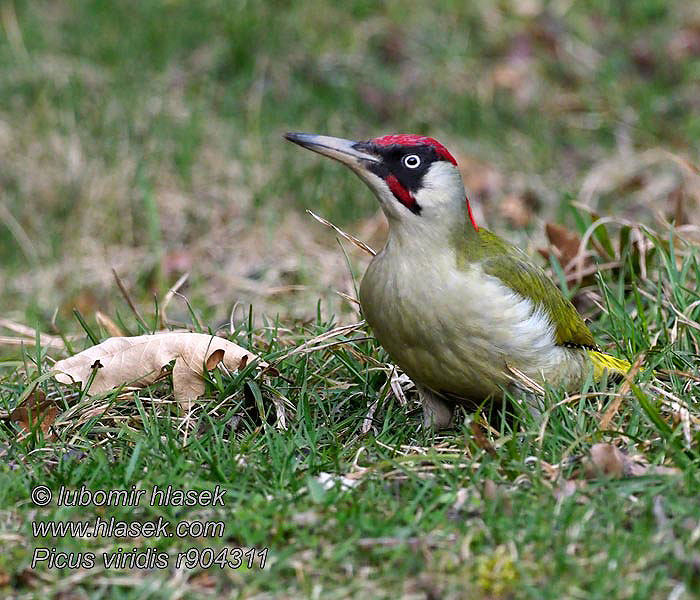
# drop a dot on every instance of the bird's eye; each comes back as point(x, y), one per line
point(411, 161)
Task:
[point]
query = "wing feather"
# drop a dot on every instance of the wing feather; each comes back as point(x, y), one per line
point(515, 269)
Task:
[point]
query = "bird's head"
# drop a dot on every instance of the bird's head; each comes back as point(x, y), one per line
point(414, 177)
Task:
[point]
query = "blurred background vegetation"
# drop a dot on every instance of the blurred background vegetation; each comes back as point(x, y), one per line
point(145, 135)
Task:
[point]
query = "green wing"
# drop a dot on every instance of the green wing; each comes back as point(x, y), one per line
point(515, 269)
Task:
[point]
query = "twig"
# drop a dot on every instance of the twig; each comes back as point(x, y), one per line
point(309, 345)
point(369, 417)
point(579, 274)
point(169, 296)
point(30, 334)
point(354, 301)
point(350, 238)
point(129, 301)
point(624, 389)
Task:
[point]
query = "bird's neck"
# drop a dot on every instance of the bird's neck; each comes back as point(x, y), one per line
point(445, 228)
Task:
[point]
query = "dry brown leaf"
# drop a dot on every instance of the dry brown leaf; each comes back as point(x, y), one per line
point(565, 244)
point(606, 459)
point(36, 408)
point(480, 438)
point(564, 241)
point(139, 360)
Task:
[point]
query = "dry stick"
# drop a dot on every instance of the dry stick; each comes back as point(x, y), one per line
point(169, 296)
point(30, 333)
point(567, 400)
point(308, 346)
point(110, 326)
point(348, 298)
point(592, 270)
point(129, 301)
point(14, 341)
point(682, 162)
point(350, 238)
point(685, 374)
point(624, 389)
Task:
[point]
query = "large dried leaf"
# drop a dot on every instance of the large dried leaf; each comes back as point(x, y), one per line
point(138, 361)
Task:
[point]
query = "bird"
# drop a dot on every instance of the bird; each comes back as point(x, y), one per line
point(456, 307)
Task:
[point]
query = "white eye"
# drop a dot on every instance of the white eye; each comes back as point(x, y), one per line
point(411, 161)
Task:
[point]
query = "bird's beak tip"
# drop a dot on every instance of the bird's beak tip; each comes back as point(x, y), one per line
point(291, 136)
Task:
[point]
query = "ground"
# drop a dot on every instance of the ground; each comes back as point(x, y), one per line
point(146, 137)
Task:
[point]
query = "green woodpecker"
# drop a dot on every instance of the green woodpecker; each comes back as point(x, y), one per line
point(455, 306)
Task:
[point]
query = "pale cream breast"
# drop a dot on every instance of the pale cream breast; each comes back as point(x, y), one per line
point(458, 330)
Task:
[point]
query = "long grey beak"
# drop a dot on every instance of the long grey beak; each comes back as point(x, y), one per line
point(345, 151)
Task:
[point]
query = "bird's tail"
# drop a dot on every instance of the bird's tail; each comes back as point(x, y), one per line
point(605, 362)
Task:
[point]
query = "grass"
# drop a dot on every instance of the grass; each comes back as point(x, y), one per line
point(390, 509)
point(146, 136)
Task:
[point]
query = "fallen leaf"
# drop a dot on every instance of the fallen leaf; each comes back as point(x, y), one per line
point(138, 361)
point(35, 409)
point(480, 439)
point(217, 356)
point(564, 242)
point(606, 459)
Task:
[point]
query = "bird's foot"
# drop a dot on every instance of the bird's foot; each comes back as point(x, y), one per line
point(437, 414)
